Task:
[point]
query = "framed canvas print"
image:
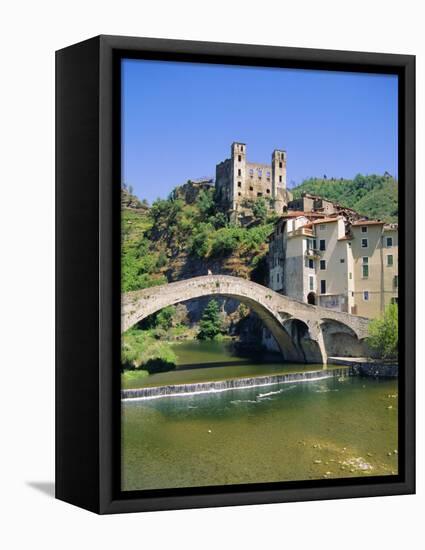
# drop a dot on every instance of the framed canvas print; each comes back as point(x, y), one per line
point(235, 274)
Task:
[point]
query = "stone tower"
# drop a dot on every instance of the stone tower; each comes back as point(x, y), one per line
point(238, 158)
point(279, 179)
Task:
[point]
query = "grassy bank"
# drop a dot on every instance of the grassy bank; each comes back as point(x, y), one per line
point(143, 350)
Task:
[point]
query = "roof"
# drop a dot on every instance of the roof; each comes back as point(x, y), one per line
point(337, 204)
point(328, 220)
point(368, 222)
point(298, 213)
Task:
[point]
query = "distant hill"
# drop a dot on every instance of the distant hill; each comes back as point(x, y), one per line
point(372, 196)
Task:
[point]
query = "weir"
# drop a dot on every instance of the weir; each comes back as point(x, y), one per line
point(232, 384)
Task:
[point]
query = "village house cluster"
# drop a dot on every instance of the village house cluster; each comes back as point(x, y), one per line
point(327, 255)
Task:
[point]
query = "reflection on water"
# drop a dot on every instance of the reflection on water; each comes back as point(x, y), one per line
point(326, 429)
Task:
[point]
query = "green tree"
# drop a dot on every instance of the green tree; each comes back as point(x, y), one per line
point(211, 323)
point(205, 203)
point(259, 209)
point(164, 318)
point(383, 334)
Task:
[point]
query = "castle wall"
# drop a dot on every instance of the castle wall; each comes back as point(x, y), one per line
point(258, 181)
point(223, 183)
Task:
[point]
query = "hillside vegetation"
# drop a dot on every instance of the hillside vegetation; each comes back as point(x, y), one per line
point(372, 196)
point(174, 240)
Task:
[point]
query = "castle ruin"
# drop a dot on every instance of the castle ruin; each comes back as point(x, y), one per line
point(240, 183)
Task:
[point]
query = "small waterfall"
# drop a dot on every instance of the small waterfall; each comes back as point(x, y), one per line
point(233, 384)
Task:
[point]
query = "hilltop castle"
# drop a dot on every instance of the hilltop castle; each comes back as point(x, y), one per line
point(239, 183)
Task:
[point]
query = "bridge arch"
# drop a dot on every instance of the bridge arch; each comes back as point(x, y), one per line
point(340, 340)
point(304, 340)
point(296, 326)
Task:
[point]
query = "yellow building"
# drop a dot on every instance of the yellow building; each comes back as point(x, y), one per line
point(374, 248)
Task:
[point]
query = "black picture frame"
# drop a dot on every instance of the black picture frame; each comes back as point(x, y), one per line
point(88, 279)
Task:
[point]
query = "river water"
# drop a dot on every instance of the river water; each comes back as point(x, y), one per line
point(332, 428)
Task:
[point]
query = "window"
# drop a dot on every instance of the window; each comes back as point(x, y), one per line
point(364, 243)
point(251, 172)
point(259, 194)
point(268, 191)
point(259, 173)
point(239, 194)
point(364, 229)
point(365, 267)
point(311, 282)
point(389, 242)
point(278, 277)
point(390, 260)
point(394, 300)
point(239, 158)
point(251, 188)
point(280, 179)
point(350, 275)
point(280, 165)
point(239, 172)
point(239, 184)
point(311, 244)
point(322, 264)
point(395, 281)
point(322, 227)
point(322, 244)
point(322, 286)
point(366, 295)
point(342, 261)
point(311, 264)
point(268, 175)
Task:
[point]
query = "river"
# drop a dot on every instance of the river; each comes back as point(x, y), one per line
point(331, 428)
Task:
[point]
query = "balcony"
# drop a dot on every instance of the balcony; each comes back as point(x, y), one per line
point(312, 253)
point(303, 231)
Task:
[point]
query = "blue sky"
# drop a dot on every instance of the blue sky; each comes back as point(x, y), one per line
point(179, 120)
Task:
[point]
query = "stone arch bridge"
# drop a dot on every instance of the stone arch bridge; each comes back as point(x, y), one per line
point(302, 332)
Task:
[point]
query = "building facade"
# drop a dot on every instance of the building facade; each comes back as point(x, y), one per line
point(335, 263)
point(375, 271)
point(239, 182)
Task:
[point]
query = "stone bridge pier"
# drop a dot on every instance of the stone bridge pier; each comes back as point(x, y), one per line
point(303, 333)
